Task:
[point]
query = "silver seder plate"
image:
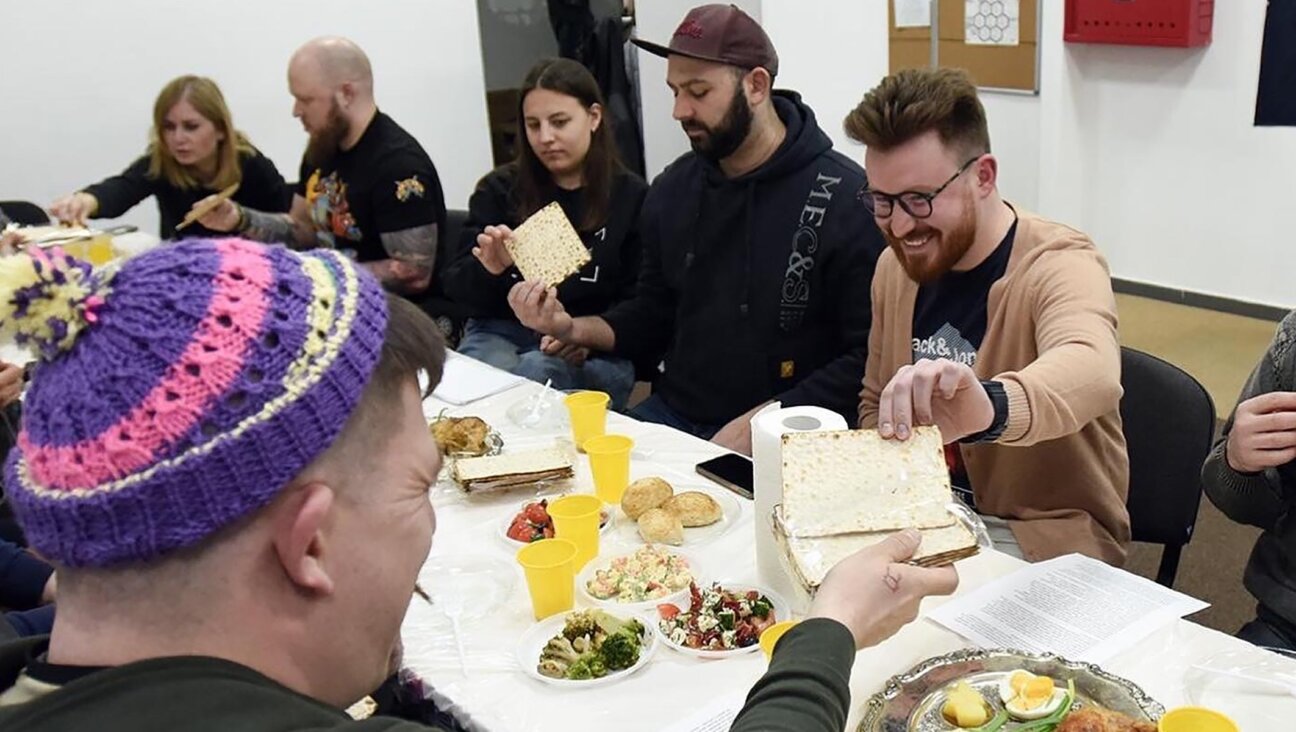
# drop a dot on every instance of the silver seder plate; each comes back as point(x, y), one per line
point(912, 701)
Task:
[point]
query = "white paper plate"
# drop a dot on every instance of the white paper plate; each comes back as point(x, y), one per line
point(537, 636)
point(508, 519)
point(627, 530)
point(647, 607)
point(782, 611)
point(1253, 706)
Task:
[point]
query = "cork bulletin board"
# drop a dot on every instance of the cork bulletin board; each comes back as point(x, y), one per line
point(1012, 68)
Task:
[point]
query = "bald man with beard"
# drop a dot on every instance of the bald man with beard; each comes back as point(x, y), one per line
point(366, 185)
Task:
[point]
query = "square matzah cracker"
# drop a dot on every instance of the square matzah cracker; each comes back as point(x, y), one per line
point(854, 480)
point(546, 247)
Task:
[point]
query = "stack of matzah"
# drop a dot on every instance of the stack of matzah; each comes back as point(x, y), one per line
point(498, 472)
point(845, 490)
point(546, 247)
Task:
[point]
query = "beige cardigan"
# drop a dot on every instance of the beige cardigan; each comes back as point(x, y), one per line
point(1059, 472)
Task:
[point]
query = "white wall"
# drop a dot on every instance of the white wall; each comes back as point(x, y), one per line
point(1154, 153)
point(80, 110)
point(1151, 151)
point(810, 42)
point(656, 21)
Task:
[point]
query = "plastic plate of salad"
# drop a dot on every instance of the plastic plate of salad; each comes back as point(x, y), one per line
point(721, 619)
point(639, 580)
point(582, 649)
point(530, 521)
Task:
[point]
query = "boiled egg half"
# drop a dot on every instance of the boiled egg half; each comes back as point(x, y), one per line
point(1027, 696)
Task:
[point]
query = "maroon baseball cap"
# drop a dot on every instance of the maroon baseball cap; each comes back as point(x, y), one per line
point(720, 33)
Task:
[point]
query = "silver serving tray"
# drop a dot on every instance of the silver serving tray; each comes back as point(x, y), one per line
point(912, 701)
point(493, 443)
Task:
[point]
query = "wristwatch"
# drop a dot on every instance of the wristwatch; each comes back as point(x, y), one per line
point(999, 399)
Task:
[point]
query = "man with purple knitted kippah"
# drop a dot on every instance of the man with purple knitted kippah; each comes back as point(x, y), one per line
point(224, 455)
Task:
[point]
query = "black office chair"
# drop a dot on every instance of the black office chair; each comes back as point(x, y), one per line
point(449, 315)
point(1169, 423)
point(24, 213)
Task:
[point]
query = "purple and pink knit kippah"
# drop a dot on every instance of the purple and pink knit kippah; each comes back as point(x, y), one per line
point(214, 372)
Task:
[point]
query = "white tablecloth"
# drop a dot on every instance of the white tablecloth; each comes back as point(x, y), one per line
point(495, 695)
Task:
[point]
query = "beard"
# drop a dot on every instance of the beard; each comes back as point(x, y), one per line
point(323, 145)
point(725, 138)
point(949, 246)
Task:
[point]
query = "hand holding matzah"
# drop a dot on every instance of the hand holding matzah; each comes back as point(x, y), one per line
point(874, 593)
point(546, 247)
point(942, 393)
point(491, 251)
point(537, 307)
point(848, 490)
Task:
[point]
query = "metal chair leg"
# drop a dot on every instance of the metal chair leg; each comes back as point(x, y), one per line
point(1169, 565)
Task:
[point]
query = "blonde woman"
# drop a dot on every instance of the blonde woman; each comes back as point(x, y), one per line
point(194, 151)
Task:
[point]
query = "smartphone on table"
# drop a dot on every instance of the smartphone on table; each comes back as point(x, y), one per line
point(731, 471)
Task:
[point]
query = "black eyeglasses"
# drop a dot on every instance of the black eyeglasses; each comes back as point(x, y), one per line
point(915, 203)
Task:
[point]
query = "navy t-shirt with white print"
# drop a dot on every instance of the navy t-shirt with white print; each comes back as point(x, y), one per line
point(950, 322)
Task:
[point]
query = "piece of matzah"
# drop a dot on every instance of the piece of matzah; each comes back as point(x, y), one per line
point(812, 558)
point(495, 467)
point(546, 247)
point(850, 481)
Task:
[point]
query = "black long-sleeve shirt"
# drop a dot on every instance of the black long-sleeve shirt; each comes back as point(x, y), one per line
point(614, 247)
point(261, 188)
point(22, 583)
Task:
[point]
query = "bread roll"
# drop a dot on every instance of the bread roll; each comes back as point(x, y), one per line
point(694, 508)
point(658, 526)
point(644, 494)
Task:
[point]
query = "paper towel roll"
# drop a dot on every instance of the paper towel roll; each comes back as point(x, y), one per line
point(768, 427)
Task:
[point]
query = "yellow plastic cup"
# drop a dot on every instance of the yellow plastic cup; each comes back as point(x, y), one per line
point(576, 519)
point(588, 411)
point(100, 251)
point(609, 457)
point(770, 636)
point(549, 566)
point(1195, 719)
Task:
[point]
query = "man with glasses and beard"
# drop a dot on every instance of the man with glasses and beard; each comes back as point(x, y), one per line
point(754, 251)
point(366, 185)
point(992, 323)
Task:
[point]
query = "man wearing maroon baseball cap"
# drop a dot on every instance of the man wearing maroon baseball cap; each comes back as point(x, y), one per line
point(757, 256)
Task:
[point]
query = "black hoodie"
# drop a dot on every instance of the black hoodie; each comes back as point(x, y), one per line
point(756, 288)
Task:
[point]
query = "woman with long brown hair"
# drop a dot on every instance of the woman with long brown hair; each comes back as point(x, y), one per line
point(194, 150)
point(569, 156)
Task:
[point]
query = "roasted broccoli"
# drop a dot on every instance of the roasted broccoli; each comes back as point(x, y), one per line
point(621, 649)
point(588, 667)
point(580, 623)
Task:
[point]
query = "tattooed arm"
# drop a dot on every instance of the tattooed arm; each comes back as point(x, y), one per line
point(411, 256)
point(293, 228)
